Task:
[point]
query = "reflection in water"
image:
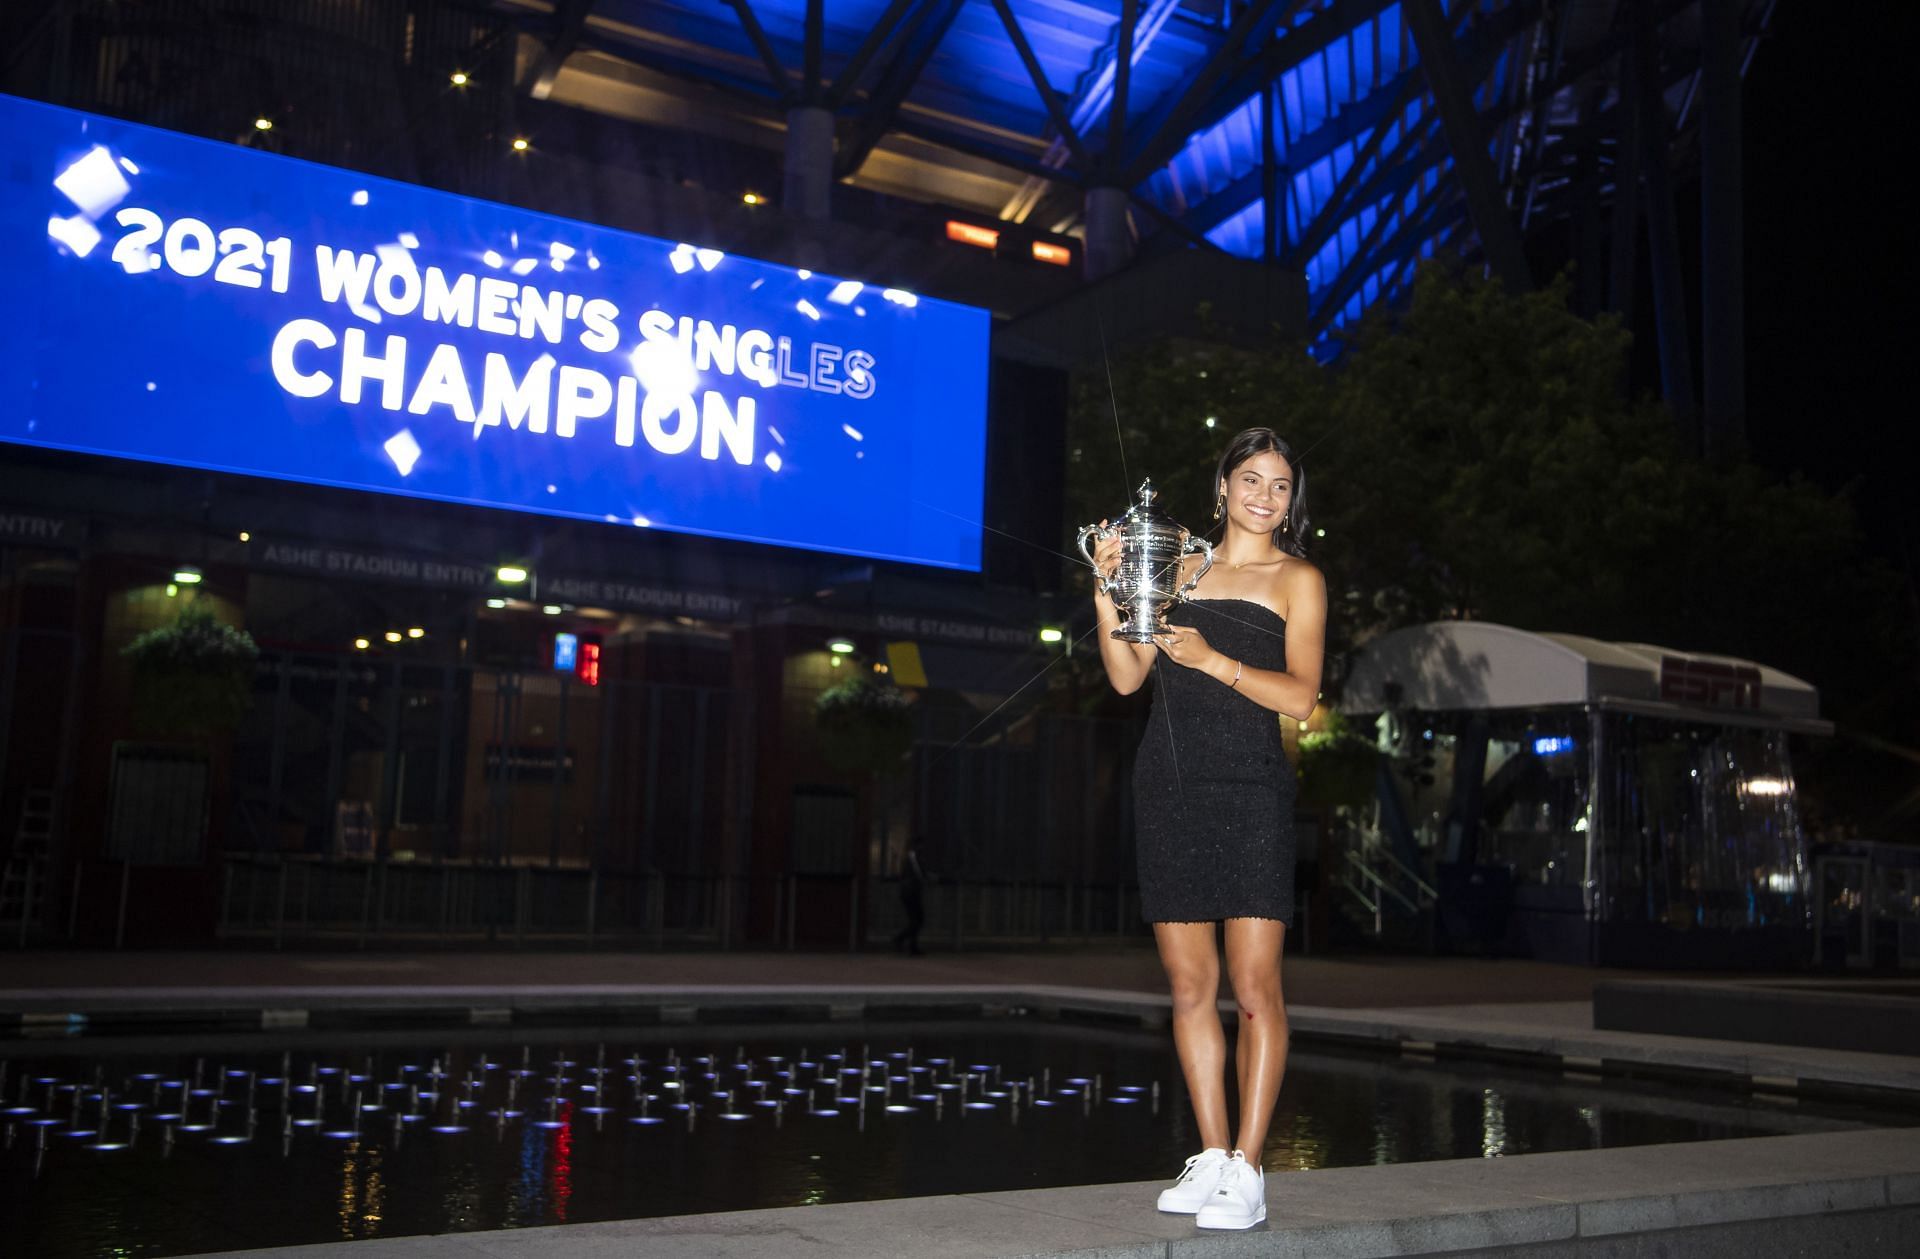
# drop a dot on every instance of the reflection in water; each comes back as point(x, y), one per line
point(362, 1192)
point(380, 1137)
point(1493, 1124)
point(1297, 1145)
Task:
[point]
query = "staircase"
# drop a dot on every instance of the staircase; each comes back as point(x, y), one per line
point(23, 882)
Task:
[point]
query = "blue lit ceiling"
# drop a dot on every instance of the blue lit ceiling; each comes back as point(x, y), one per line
point(934, 99)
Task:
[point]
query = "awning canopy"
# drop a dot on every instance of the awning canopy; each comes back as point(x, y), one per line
point(1447, 666)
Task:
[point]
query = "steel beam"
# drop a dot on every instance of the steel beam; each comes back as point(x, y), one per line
point(987, 151)
point(1622, 254)
point(810, 63)
point(1722, 232)
point(569, 20)
point(1272, 206)
point(1330, 214)
point(1165, 129)
point(1663, 237)
point(1375, 255)
point(776, 72)
point(930, 26)
point(882, 34)
point(1453, 97)
point(1122, 77)
point(1056, 109)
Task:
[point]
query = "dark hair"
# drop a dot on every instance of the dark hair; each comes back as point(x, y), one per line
point(1290, 534)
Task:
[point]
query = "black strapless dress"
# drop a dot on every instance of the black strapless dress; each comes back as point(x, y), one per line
point(1213, 790)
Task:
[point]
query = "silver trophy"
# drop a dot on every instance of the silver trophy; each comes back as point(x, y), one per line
point(1152, 546)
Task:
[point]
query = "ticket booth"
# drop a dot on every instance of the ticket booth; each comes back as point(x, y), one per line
point(1585, 801)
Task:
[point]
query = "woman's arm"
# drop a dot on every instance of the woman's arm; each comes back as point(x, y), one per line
point(1128, 664)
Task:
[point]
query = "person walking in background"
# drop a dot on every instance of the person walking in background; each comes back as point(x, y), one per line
point(913, 881)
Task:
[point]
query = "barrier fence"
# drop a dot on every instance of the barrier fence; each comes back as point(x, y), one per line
point(284, 899)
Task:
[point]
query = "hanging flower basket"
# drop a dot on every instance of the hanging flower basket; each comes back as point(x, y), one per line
point(864, 725)
point(193, 677)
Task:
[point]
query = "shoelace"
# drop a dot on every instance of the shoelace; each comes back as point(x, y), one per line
point(1186, 1173)
point(1235, 1171)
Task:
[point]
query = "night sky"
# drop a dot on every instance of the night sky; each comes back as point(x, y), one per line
point(1830, 257)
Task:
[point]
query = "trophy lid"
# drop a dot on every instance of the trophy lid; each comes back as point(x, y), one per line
point(1146, 516)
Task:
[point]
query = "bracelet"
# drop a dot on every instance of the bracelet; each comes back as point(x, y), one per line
point(1238, 665)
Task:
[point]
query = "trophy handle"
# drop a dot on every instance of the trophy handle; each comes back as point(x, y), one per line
point(1095, 531)
point(1206, 549)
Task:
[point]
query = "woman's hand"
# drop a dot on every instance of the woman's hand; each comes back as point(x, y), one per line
point(1106, 556)
point(1185, 645)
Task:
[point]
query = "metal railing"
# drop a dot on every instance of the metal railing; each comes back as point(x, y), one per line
point(1364, 880)
point(282, 898)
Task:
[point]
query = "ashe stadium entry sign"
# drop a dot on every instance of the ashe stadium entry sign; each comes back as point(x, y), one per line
point(183, 301)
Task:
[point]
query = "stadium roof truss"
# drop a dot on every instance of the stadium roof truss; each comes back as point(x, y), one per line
point(1343, 138)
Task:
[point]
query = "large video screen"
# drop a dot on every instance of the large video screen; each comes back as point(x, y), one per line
point(188, 302)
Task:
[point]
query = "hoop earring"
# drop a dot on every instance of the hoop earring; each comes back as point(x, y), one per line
point(1219, 506)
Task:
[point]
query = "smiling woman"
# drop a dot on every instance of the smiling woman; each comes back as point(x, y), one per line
point(1213, 797)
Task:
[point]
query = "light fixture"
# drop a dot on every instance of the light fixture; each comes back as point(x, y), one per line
point(511, 574)
point(753, 198)
point(1211, 420)
point(496, 603)
point(971, 234)
point(361, 644)
point(393, 636)
point(520, 144)
point(1049, 634)
point(459, 78)
point(416, 632)
point(551, 609)
point(187, 575)
point(263, 124)
point(834, 661)
point(245, 536)
point(880, 667)
point(1058, 255)
point(172, 590)
point(840, 646)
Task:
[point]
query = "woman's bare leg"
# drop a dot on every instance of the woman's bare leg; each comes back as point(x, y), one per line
point(1192, 960)
point(1260, 1054)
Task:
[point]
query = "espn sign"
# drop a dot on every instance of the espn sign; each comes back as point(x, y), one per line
point(1708, 684)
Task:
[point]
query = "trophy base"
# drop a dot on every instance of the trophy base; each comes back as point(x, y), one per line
point(1128, 634)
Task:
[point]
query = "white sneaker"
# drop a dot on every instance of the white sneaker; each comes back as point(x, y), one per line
point(1239, 1200)
point(1196, 1183)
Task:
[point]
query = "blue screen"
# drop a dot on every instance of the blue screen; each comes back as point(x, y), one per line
point(188, 302)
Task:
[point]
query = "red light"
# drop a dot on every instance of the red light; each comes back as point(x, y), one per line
point(587, 667)
point(968, 234)
point(1058, 255)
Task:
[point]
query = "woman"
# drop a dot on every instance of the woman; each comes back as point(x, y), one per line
point(1213, 803)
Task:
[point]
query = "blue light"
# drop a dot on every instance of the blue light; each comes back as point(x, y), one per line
point(566, 652)
point(1552, 744)
point(184, 302)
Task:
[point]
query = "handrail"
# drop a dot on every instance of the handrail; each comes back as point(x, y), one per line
point(1426, 889)
point(1353, 859)
point(1346, 881)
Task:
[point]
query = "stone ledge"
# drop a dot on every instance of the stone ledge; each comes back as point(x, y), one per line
point(1581, 1202)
